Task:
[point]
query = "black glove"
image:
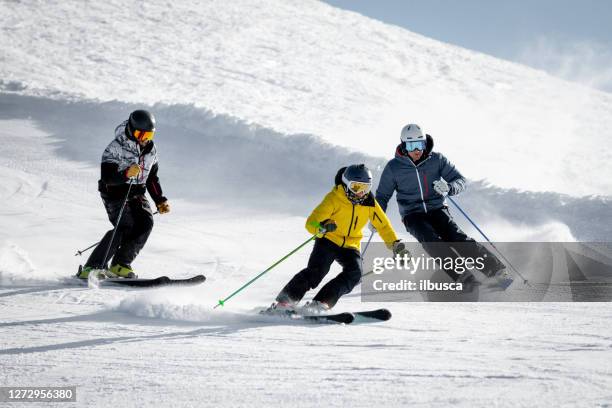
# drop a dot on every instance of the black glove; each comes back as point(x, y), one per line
point(327, 226)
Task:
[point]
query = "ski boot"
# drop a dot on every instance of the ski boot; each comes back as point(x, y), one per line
point(503, 278)
point(469, 282)
point(284, 308)
point(85, 271)
point(315, 307)
point(123, 271)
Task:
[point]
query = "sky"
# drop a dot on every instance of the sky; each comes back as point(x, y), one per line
point(570, 39)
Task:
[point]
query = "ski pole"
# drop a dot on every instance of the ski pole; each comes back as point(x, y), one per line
point(367, 274)
point(367, 244)
point(127, 195)
point(488, 240)
point(222, 301)
point(82, 251)
point(366, 248)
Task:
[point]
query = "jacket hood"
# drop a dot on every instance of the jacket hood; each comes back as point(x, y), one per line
point(399, 151)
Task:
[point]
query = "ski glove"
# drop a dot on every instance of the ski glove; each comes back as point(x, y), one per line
point(132, 171)
point(399, 248)
point(327, 226)
point(441, 187)
point(163, 207)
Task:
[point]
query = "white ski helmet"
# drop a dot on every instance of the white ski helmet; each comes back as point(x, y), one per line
point(412, 138)
point(412, 133)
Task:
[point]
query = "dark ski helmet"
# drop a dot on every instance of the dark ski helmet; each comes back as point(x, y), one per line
point(357, 182)
point(141, 125)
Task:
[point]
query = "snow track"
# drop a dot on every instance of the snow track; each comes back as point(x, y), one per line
point(429, 354)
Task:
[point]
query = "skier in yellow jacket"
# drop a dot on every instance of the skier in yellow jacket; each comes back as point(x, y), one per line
point(338, 221)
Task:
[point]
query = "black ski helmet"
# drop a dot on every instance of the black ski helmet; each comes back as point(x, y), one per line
point(141, 120)
point(356, 173)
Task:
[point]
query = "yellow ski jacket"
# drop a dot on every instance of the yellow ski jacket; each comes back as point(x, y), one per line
point(350, 218)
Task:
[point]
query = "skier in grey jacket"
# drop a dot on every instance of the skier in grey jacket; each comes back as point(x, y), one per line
point(422, 179)
point(128, 170)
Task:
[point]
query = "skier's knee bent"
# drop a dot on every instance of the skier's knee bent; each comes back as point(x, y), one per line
point(339, 286)
point(352, 279)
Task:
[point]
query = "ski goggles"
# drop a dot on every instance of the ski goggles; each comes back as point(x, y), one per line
point(144, 135)
point(359, 187)
point(417, 145)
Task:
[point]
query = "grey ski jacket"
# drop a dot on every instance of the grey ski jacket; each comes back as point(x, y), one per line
point(120, 154)
point(413, 182)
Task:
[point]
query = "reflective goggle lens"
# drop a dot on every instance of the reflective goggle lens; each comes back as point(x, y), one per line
point(359, 187)
point(412, 146)
point(143, 136)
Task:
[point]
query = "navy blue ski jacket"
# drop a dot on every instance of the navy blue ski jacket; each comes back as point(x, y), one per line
point(414, 181)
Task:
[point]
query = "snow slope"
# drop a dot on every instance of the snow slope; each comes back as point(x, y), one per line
point(306, 67)
point(149, 352)
point(243, 160)
point(169, 347)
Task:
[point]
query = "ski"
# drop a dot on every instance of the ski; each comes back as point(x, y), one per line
point(366, 316)
point(345, 318)
point(148, 283)
point(374, 315)
point(505, 283)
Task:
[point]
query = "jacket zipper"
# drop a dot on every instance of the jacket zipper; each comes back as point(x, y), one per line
point(420, 188)
point(141, 164)
point(419, 180)
point(350, 225)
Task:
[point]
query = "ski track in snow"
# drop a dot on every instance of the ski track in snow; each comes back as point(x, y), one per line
point(429, 354)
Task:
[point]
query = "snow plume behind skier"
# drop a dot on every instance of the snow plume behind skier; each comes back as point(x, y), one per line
point(338, 222)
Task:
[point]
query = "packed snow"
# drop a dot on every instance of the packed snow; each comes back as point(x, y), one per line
point(258, 104)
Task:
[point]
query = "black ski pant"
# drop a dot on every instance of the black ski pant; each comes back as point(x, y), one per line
point(132, 232)
point(435, 228)
point(323, 255)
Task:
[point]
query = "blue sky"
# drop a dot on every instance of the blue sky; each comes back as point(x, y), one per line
point(571, 39)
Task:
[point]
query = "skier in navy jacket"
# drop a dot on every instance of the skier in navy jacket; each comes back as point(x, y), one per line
point(422, 179)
